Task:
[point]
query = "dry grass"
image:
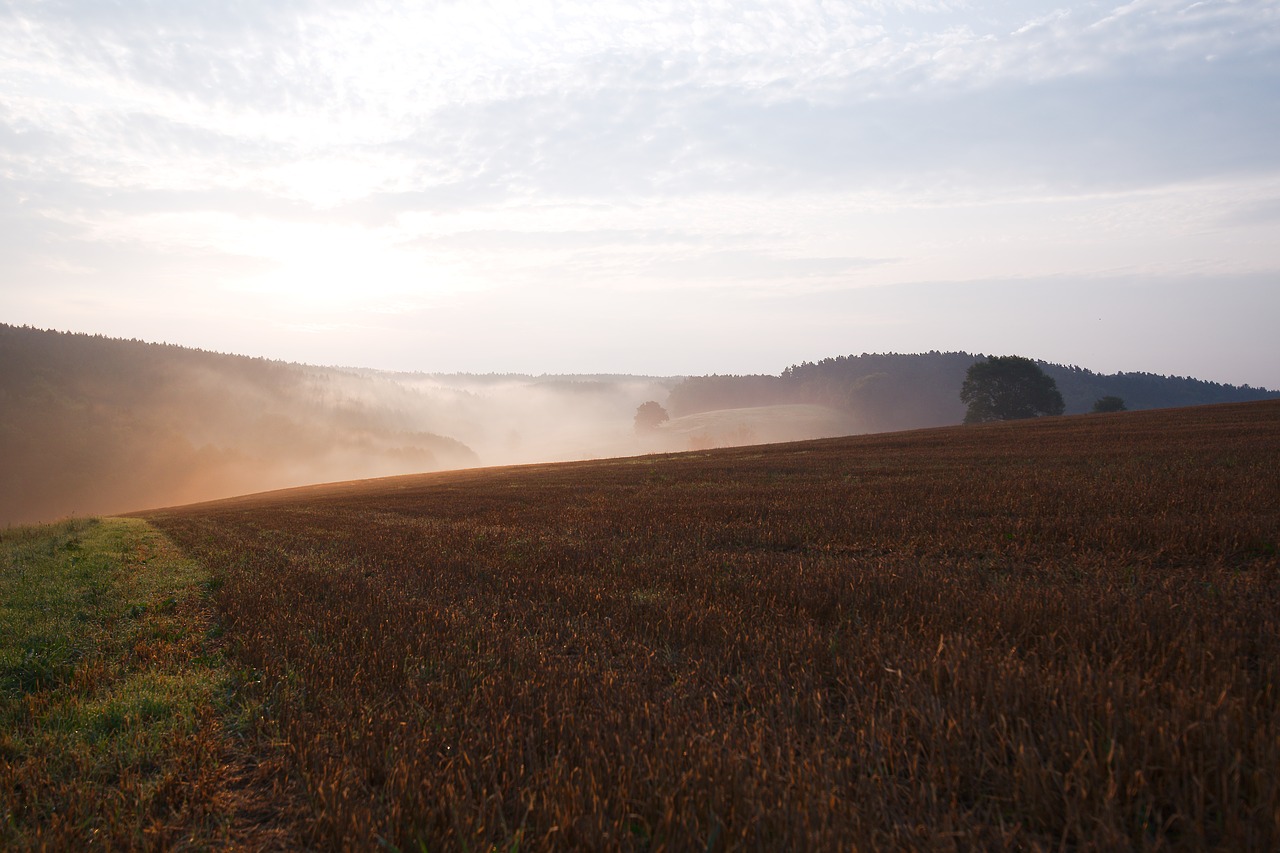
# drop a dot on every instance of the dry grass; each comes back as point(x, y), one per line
point(1052, 634)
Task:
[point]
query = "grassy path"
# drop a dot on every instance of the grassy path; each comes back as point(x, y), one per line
point(118, 723)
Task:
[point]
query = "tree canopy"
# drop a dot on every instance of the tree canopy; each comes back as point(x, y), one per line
point(1008, 387)
point(1109, 403)
point(650, 415)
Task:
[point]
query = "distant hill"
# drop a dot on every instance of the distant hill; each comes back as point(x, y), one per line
point(90, 424)
point(1081, 389)
point(747, 425)
point(893, 391)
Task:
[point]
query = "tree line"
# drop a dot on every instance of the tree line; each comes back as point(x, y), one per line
point(90, 424)
point(894, 391)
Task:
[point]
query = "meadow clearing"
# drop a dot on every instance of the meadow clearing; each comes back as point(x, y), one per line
point(1060, 633)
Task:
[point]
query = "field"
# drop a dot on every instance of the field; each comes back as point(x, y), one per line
point(1062, 633)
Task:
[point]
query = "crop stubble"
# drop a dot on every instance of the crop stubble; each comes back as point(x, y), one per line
point(1059, 631)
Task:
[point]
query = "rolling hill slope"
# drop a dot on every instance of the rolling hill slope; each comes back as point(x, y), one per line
point(91, 425)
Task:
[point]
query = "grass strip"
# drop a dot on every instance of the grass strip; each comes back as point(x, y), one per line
point(113, 691)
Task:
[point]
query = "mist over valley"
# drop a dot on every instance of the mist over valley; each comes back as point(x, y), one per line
point(92, 425)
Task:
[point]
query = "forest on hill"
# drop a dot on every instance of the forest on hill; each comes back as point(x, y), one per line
point(92, 425)
point(894, 391)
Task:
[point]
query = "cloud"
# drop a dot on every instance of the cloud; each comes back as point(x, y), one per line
point(1261, 212)
point(748, 266)
point(647, 98)
point(557, 240)
point(616, 153)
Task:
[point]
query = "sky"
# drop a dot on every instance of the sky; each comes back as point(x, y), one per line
point(649, 187)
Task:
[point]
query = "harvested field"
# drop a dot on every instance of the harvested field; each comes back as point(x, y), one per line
point(1045, 634)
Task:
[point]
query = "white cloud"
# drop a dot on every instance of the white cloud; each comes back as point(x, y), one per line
point(636, 150)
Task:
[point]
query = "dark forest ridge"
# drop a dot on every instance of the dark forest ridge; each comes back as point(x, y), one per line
point(90, 424)
point(892, 391)
point(1052, 632)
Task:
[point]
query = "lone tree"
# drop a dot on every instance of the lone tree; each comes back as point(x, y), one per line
point(1109, 403)
point(649, 416)
point(1009, 387)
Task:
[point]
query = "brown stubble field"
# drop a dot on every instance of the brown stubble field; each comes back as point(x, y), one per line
point(1059, 633)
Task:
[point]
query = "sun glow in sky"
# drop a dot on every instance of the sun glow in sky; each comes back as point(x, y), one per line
point(649, 187)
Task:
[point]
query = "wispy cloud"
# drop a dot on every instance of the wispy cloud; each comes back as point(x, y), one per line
point(328, 103)
point(401, 152)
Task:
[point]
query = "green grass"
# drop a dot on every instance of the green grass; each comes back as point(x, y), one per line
point(112, 689)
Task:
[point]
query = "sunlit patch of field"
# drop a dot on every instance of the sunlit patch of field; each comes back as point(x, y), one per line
point(1062, 633)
